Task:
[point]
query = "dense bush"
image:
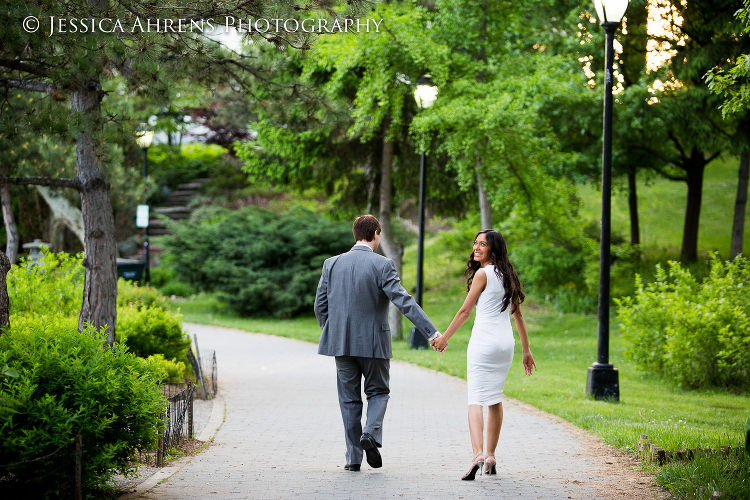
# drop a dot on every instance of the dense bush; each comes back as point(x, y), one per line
point(259, 262)
point(697, 334)
point(129, 294)
point(56, 284)
point(554, 272)
point(51, 292)
point(152, 330)
point(170, 370)
point(69, 383)
point(167, 281)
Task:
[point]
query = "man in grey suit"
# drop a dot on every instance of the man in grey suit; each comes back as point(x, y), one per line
point(351, 305)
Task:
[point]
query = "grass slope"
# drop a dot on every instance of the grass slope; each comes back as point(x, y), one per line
point(661, 209)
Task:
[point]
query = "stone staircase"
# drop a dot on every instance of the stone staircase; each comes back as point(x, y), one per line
point(177, 207)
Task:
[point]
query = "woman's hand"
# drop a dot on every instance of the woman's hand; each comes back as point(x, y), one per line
point(528, 363)
point(440, 343)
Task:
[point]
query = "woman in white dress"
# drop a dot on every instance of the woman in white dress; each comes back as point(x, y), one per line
point(493, 286)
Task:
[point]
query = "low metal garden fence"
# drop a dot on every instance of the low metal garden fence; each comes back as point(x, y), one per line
point(178, 417)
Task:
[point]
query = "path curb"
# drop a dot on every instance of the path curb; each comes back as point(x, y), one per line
point(208, 433)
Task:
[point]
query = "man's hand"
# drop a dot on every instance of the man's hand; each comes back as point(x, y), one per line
point(439, 343)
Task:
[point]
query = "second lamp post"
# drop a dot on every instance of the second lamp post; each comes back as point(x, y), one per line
point(143, 137)
point(425, 95)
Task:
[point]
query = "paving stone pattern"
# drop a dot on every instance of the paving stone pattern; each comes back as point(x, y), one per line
point(283, 436)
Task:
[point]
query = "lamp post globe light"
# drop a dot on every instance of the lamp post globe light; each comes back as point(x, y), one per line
point(602, 380)
point(425, 95)
point(143, 137)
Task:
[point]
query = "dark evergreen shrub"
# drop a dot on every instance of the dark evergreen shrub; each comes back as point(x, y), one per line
point(259, 262)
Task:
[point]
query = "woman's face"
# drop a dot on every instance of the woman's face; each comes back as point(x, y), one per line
point(482, 250)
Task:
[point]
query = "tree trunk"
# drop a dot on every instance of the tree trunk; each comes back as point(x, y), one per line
point(485, 207)
point(392, 250)
point(100, 284)
point(4, 299)
point(738, 226)
point(11, 230)
point(371, 178)
point(635, 232)
point(689, 252)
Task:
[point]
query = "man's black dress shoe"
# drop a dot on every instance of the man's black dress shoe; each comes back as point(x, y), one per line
point(352, 467)
point(371, 448)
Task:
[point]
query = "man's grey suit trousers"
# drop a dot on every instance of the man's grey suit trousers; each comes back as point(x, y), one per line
point(375, 371)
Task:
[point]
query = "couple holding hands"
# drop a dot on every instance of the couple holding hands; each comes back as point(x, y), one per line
point(351, 306)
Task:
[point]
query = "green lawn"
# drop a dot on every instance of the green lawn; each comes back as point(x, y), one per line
point(661, 209)
point(563, 346)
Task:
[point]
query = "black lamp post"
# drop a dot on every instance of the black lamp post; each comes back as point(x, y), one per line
point(425, 95)
point(143, 137)
point(602, 380)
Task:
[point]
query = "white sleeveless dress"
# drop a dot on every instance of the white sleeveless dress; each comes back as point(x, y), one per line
point(490, 351)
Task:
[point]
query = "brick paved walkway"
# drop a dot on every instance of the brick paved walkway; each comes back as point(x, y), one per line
point(283, 436)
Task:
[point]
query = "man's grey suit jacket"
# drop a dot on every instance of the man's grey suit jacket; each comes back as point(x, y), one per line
point(352, 305)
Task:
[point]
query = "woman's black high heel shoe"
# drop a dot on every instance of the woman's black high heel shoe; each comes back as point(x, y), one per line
point(476, 465)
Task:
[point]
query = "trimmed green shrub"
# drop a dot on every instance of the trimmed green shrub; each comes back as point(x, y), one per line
point(55, 285)
point(258, 262)
point(130, 294)
point(152, 330)
point(172, 369)
point(697, 334)
point(51, 293)
point(69, 383)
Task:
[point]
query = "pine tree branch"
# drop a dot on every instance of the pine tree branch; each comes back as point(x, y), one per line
point(16, 65)
point(17, 83)
point(42, 181)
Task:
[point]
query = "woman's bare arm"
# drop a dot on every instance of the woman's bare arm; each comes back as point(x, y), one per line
point(528, 360)
point(477, 287)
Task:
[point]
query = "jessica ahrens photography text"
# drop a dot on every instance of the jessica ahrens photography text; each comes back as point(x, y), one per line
point(63, 25)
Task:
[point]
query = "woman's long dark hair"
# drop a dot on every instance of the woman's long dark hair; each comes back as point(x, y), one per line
point(503, 268)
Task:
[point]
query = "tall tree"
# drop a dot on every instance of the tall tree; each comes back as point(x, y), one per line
point(740, 204)
point(69, 70)
point(731, 81)
point(357, 144)
point(703, 34)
